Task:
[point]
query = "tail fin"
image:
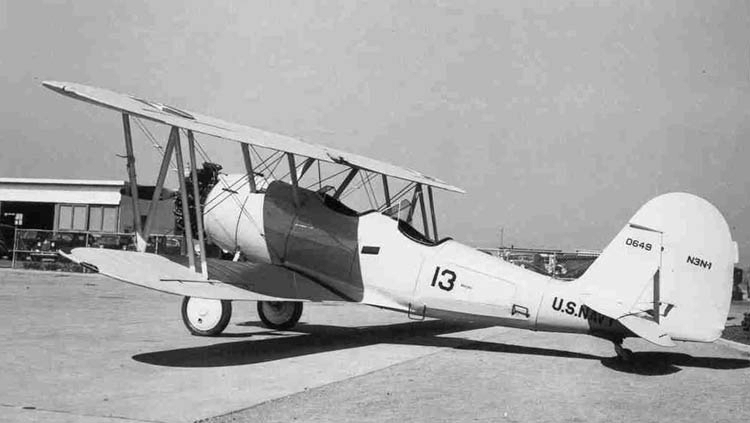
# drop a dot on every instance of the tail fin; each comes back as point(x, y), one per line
point(668, 273)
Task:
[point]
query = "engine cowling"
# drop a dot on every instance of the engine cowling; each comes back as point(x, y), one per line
point(233, 217)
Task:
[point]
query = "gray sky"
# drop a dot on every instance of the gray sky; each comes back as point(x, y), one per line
point(560, 120)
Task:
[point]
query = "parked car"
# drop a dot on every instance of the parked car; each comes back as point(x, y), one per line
point(4, 251)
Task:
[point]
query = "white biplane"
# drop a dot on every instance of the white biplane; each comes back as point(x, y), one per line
point(666, 276)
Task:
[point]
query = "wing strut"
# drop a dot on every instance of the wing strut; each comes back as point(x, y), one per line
point(346, 182)
point(140, 242)
point(306, 166)
point(293, 176)
point(432, 211)
point(386, 191)
point(412, 205)
point(197, 204)
point(160, 182)
point(186, 224)
point(425, 225)
point(249, 166)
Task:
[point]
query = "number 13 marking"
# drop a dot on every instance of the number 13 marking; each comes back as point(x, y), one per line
point(444, 284)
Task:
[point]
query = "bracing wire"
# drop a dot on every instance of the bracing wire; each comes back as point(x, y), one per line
point(367, 192)
point(275, 165)
point(154, 142)
point(269, 165)
point(398, 195)
point(201, 151)
point(372, 189)
point(262, 161)
point(204, 155)
point(297, 167)
point(241, 182)
point(355, 188)
point(327, 178)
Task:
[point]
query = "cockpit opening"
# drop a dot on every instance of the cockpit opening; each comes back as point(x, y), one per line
point(399, 212)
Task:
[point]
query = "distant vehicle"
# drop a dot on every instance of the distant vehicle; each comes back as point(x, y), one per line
point(6, 239)
point(665, 277)
point(111, 241)
point(4, 251)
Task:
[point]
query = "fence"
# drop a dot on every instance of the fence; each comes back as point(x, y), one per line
point(555, 263)
point(37, 249)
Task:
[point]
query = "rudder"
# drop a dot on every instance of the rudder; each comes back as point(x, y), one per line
point(688, 241)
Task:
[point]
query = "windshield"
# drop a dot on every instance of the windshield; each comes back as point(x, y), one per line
point(407, 213)
point(336, 205)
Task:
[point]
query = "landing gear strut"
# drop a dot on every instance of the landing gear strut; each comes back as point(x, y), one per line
point(623, 354)
point(279, 315)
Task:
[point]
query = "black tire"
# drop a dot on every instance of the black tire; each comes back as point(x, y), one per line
point(213, 330)
point(279, 315)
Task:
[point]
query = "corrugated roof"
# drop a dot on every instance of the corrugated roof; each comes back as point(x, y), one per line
point(62, 191)
point(48, 181)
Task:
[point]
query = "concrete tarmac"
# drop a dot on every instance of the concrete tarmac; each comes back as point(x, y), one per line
point(83, 348)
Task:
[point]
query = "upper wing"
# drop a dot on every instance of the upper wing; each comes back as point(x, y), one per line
point(231, 131)
point(227, 280)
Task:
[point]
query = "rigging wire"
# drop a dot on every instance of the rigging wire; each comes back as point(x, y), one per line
point(372, 189)
point(327, 178)
point(269, 165)
point(245, 180)
point(355, 188)
point(260, 158)
point(202, 152)
point(154, 142)
point(397, 197)
point(367, 192)
point(204, 155)
point(240, 182)
point(278, 162)
point(297, 167)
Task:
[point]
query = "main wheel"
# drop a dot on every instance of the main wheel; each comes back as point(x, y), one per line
point(204, 317)
point(279, 314)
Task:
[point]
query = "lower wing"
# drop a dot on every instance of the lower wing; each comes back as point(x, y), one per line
point(227, 280)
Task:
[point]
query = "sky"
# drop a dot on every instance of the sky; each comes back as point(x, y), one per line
point(559, 119)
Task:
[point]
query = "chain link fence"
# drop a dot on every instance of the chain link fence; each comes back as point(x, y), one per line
point(37, 249)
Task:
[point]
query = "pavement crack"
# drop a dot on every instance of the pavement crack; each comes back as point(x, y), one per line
point(71, 413)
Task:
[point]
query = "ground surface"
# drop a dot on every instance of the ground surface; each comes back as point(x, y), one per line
point(81, 348)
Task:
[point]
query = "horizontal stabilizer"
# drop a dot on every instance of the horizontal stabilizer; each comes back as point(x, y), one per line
point(227, 280)
point(647, 329)
point(643, 327)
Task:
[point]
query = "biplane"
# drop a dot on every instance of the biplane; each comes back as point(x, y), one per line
point(665, 277)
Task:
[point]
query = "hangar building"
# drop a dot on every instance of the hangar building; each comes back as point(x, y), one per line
point(100, 206)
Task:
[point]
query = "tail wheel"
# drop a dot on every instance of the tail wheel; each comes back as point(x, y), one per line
point(623, 354)
point(204, 317)
point(279, 314)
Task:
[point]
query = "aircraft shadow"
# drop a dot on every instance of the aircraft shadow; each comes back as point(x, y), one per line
point(659, 363)
point(312, 340)
point(315, 339)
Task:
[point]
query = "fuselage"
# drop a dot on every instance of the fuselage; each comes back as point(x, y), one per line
point(384, 262)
